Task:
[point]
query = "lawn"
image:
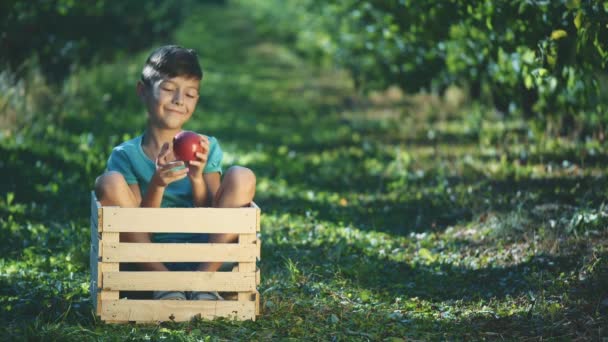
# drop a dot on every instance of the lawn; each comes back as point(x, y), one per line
point(385, 216)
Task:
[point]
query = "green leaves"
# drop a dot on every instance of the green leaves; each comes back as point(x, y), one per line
point(573, 4)
point(390, 217)
point(431, 45)
point(426, 255)
point(558, 34)
point(578, 20)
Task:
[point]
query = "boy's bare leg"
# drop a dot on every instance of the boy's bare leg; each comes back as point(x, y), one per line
point(111, 189)
point(237, 190)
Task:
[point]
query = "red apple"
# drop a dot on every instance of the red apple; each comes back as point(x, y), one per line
point(186, 144)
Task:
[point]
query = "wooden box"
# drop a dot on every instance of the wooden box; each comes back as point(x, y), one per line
point(107, 253)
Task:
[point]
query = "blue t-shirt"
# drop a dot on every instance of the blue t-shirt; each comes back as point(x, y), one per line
point(136, 167)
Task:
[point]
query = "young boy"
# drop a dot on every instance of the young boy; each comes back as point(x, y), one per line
point(143, 172)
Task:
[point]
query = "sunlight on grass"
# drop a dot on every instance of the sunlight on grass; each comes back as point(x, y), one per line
point(384, 216)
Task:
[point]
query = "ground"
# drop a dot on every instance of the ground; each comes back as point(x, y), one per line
point(386, 216)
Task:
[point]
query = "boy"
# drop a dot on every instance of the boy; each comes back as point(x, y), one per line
point(143, 172)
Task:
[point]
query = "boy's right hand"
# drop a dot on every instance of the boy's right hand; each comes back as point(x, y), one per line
point(165, 169)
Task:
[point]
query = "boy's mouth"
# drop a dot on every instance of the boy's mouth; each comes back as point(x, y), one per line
point(175, 111)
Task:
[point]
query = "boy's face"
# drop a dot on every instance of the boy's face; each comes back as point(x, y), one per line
point(170, 101)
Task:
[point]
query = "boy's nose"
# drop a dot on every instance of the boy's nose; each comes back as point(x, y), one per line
point(178, 97)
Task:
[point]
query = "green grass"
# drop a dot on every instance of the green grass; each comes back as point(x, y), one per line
point(381, 220)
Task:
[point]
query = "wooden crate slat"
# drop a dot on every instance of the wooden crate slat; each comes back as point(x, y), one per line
point(179, 281)
point(178, 252)
point(257, 216)
point(108, 267)
point(167, 310)
point(247, 267)
point(94, 254)
point(99, 268)
point(257, 303)
point(180, 220)
point(258, 243)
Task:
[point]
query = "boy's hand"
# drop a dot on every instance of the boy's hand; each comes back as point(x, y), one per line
point(165, 168)
point(195, 167)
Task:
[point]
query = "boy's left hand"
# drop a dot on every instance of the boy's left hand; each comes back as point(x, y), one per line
point(195, 167)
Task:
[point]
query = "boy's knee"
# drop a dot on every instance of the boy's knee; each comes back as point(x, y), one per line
point(108, 183)
point(243, 177)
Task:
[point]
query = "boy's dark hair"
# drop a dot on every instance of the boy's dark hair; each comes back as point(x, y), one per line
point(171, 61)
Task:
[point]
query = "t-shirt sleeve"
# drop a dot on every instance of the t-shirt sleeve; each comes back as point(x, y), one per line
point(214, 160)
point(119, 162)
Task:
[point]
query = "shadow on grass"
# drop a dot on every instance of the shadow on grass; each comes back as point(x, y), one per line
point(564, 190)
point(416, 209)
point(434, 281)
point(398, 217)
point(56, 187)
point(482, 327)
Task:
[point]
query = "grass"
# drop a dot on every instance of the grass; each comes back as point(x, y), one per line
point(387, 218)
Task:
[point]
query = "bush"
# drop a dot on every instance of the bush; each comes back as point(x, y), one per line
point(539, 58)
point(61, 34)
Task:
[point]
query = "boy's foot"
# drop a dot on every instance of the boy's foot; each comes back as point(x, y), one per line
point(205, 296)
point(169, 295)
point(232, 296)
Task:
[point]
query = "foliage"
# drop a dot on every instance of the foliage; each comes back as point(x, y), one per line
point(381, 220)
point(61, 34)
point(542, 58)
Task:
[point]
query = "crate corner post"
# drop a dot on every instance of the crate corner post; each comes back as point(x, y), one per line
point(94, 253)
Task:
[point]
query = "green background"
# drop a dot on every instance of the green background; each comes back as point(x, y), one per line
point(427, 170)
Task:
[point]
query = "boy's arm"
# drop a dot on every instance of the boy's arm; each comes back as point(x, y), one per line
point(204, 189)
point(212, 180)
point(204, 185)
point(136, 193)
point(164, 175)
point(153, 196)
point(199, 192)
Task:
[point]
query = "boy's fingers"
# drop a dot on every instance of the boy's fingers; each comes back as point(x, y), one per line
point(180, 176)
point(162, 155)
point(174, 173)
point(164, 150)
point(195, 162)
point(201, 156)
point(171, 165)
